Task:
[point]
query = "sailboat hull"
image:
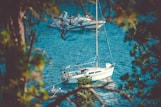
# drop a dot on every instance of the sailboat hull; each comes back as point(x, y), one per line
point(94, 72)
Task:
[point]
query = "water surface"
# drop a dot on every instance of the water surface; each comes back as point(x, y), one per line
point(80, 46)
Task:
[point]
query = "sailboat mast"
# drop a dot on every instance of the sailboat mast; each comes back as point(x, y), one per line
point(97, 32)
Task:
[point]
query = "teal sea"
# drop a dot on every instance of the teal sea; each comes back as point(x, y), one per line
point(80, 46)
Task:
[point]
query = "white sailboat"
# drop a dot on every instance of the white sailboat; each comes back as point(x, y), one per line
point(96, 73)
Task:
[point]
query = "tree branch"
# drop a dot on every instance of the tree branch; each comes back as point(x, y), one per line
point(89, 87)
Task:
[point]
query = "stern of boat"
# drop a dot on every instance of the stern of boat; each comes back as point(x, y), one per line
point(64, 76)
point(109, 65)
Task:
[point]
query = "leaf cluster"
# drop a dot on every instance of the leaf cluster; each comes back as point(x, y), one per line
point(21, 69)
point(84, 97)
point(146, 41)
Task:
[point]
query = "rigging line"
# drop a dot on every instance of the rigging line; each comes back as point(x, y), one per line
point(109, 49)
point(55, 84)
point(100, 9)
point(106, 35)
point(108, 44)
point(59, 82)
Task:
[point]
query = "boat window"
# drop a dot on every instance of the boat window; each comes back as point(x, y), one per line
point(91, 73)
point(83, 71)
point(97, 71)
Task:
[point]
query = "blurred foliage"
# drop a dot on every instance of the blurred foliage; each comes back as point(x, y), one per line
point(145, 36)
point(84, 98)
point(20, 69)
point(38, 61)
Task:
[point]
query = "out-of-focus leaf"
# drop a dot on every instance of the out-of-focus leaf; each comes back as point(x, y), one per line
point(4, 37)
point(38, 62)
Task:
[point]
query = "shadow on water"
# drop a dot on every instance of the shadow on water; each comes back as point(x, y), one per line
point(73, 35)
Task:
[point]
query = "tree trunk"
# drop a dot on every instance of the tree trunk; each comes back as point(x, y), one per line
point(21, 26)
point(16, 64)
point(16, 27)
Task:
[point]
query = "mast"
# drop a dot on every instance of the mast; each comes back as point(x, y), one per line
point(97, 32)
